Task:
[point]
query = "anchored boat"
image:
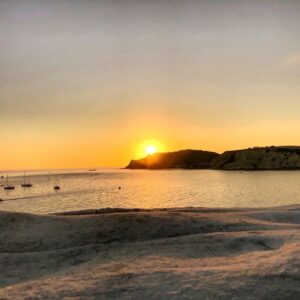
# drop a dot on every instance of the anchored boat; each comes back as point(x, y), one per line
point(26, 183)
point(56, 186)
point(7, 186)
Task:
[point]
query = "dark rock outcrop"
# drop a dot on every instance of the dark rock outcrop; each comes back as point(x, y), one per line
point(184, 159)
point(266, 158)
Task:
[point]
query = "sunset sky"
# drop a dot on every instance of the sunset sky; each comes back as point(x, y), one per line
point(85, 83)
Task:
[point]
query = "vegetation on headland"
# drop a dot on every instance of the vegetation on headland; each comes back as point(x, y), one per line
point(186, 159)
point(257, 158)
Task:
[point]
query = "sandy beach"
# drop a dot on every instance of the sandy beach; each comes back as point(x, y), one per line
point(184, 253)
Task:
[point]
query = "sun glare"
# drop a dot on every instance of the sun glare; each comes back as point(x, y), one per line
point(149, 147)
point(150, 150)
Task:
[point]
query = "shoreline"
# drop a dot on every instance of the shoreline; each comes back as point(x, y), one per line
point(172, 253)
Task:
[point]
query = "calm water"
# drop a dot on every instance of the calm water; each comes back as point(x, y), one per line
point(150, 189)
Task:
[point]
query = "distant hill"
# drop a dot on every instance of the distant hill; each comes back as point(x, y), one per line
point(258, 158)
point(184, 159)
point(264, 158)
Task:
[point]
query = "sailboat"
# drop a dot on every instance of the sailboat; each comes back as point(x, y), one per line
point(25, 184)
point(56, 186)
point(7, 186)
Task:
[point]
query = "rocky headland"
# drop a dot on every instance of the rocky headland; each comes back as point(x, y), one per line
point(258, 158)
point(186, 159)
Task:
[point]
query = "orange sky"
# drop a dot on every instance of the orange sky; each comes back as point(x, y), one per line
point(85, 83)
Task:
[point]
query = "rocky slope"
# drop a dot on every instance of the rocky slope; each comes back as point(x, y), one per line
point(184, 253)
point(267, 158)
point(186, 159)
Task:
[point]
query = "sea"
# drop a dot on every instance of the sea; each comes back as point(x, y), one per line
point(84, 189)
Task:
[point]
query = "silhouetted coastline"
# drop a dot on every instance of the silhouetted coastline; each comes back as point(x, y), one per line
point(257, 158)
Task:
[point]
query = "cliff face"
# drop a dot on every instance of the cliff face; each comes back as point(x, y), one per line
point(185, 159)
point(268, 158)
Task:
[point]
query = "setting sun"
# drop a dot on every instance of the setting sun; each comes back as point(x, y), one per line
point(150, 149)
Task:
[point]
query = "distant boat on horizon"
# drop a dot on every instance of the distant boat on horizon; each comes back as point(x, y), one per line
point(25, 184)
point(7, 186)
